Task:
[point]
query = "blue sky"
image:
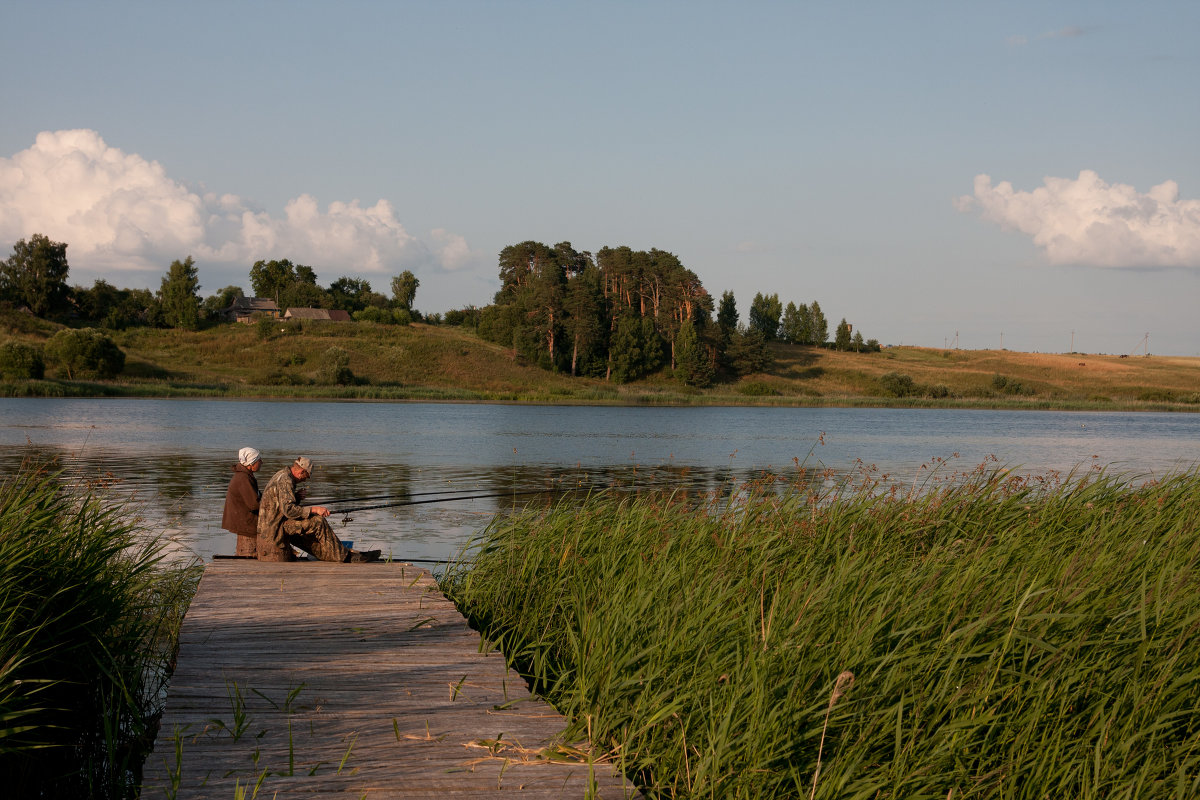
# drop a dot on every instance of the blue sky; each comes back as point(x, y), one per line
point(1007, 173)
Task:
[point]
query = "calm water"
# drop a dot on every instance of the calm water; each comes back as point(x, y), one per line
point(175, 455)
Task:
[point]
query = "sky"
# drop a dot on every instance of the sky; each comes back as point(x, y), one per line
point(1022, 175)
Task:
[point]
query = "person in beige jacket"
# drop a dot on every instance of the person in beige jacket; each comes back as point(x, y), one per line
point(283, 522)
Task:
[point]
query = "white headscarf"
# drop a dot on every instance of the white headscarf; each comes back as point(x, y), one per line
point(247, 456)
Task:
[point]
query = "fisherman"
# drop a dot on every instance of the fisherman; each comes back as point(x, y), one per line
point(283, 522)
point(241, 502)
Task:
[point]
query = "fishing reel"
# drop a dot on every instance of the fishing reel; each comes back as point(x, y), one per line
point(346, 520)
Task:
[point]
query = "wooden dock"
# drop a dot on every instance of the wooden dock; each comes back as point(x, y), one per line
point(312, 679)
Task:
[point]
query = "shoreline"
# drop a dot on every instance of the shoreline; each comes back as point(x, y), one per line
point(58, 389)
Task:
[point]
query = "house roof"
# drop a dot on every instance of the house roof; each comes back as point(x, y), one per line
point(333, 315)
point(253, 304)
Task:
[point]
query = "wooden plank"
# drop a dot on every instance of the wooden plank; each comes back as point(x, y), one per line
point(361, 680)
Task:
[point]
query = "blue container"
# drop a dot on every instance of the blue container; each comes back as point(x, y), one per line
point(348, 544)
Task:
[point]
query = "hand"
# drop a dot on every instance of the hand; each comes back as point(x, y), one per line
point(319, 511)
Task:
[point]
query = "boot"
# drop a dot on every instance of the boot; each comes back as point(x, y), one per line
point(357, 557)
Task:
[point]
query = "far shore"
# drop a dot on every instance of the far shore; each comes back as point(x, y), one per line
point(442, 363)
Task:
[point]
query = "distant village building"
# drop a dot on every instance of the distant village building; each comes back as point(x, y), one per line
point(322, 314)
point(244, 309)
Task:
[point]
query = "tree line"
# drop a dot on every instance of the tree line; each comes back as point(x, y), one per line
point(617, 314)
point(621, 313)
point(35, 276)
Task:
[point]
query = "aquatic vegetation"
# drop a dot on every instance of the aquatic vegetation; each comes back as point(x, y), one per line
point(89, 620)
point(992, 636)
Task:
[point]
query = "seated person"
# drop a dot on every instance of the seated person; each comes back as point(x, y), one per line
point(283, 522)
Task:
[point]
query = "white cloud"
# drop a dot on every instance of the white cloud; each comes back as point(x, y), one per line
point(452, 250)
point(1087, 221)
point(120, 212)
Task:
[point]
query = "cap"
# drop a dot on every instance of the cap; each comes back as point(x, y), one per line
point(304, 463)
point(247, 456)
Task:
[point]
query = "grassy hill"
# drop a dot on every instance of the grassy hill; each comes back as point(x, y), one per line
point(423, 362)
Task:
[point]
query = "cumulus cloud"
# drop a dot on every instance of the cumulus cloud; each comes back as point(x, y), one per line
point(452, 250)
point(1090, 222)
point(117, 211)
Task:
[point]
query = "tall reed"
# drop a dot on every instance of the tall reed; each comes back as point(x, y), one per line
point(89, 619)
point(1006, 637)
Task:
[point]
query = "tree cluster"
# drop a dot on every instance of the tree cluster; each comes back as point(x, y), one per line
point(295, 286)
point(35, 276)
point(804, 324)
point(623, 313)
point(619, 314)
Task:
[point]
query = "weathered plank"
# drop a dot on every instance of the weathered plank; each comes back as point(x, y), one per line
point(364, 680)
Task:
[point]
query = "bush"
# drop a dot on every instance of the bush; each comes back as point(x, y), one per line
point(335, 367)
point(467, 317)
point(280, 378)
point(380, 316)
point(265, 326)
point(898, 384)
point(85, 353)
point(1009, 386)
point(756, 389)
point(939, 391)
point(21, 362)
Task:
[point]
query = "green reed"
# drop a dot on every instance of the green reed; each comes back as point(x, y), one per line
point(993, 636)
point(89, 619)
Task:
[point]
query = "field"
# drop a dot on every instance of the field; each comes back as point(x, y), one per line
point(986, 637)
point(422, 362)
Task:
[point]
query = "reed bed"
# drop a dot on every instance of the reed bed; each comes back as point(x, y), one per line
point(89, 620)
point(995, 636)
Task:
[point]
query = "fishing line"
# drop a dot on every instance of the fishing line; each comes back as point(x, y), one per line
point(452, 498)
point(390, 495)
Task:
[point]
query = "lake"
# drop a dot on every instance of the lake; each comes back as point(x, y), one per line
point(174, 456)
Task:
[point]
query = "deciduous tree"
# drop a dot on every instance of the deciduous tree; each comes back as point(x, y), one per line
point(36, 274)
point(270, 278)
point(404, 290)
point(179, 295)
point(765, 311)
point(841, 336)
point(223, 299)
point(820, 327)
point(85, 353)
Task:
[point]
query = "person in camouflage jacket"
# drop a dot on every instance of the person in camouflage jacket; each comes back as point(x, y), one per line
point(283, 522)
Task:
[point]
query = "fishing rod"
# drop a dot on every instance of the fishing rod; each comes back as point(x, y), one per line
point(452, 498)
point(390, 495)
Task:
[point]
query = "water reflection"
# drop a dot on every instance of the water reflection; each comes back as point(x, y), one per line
point(175, 457)
point(416, 512)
